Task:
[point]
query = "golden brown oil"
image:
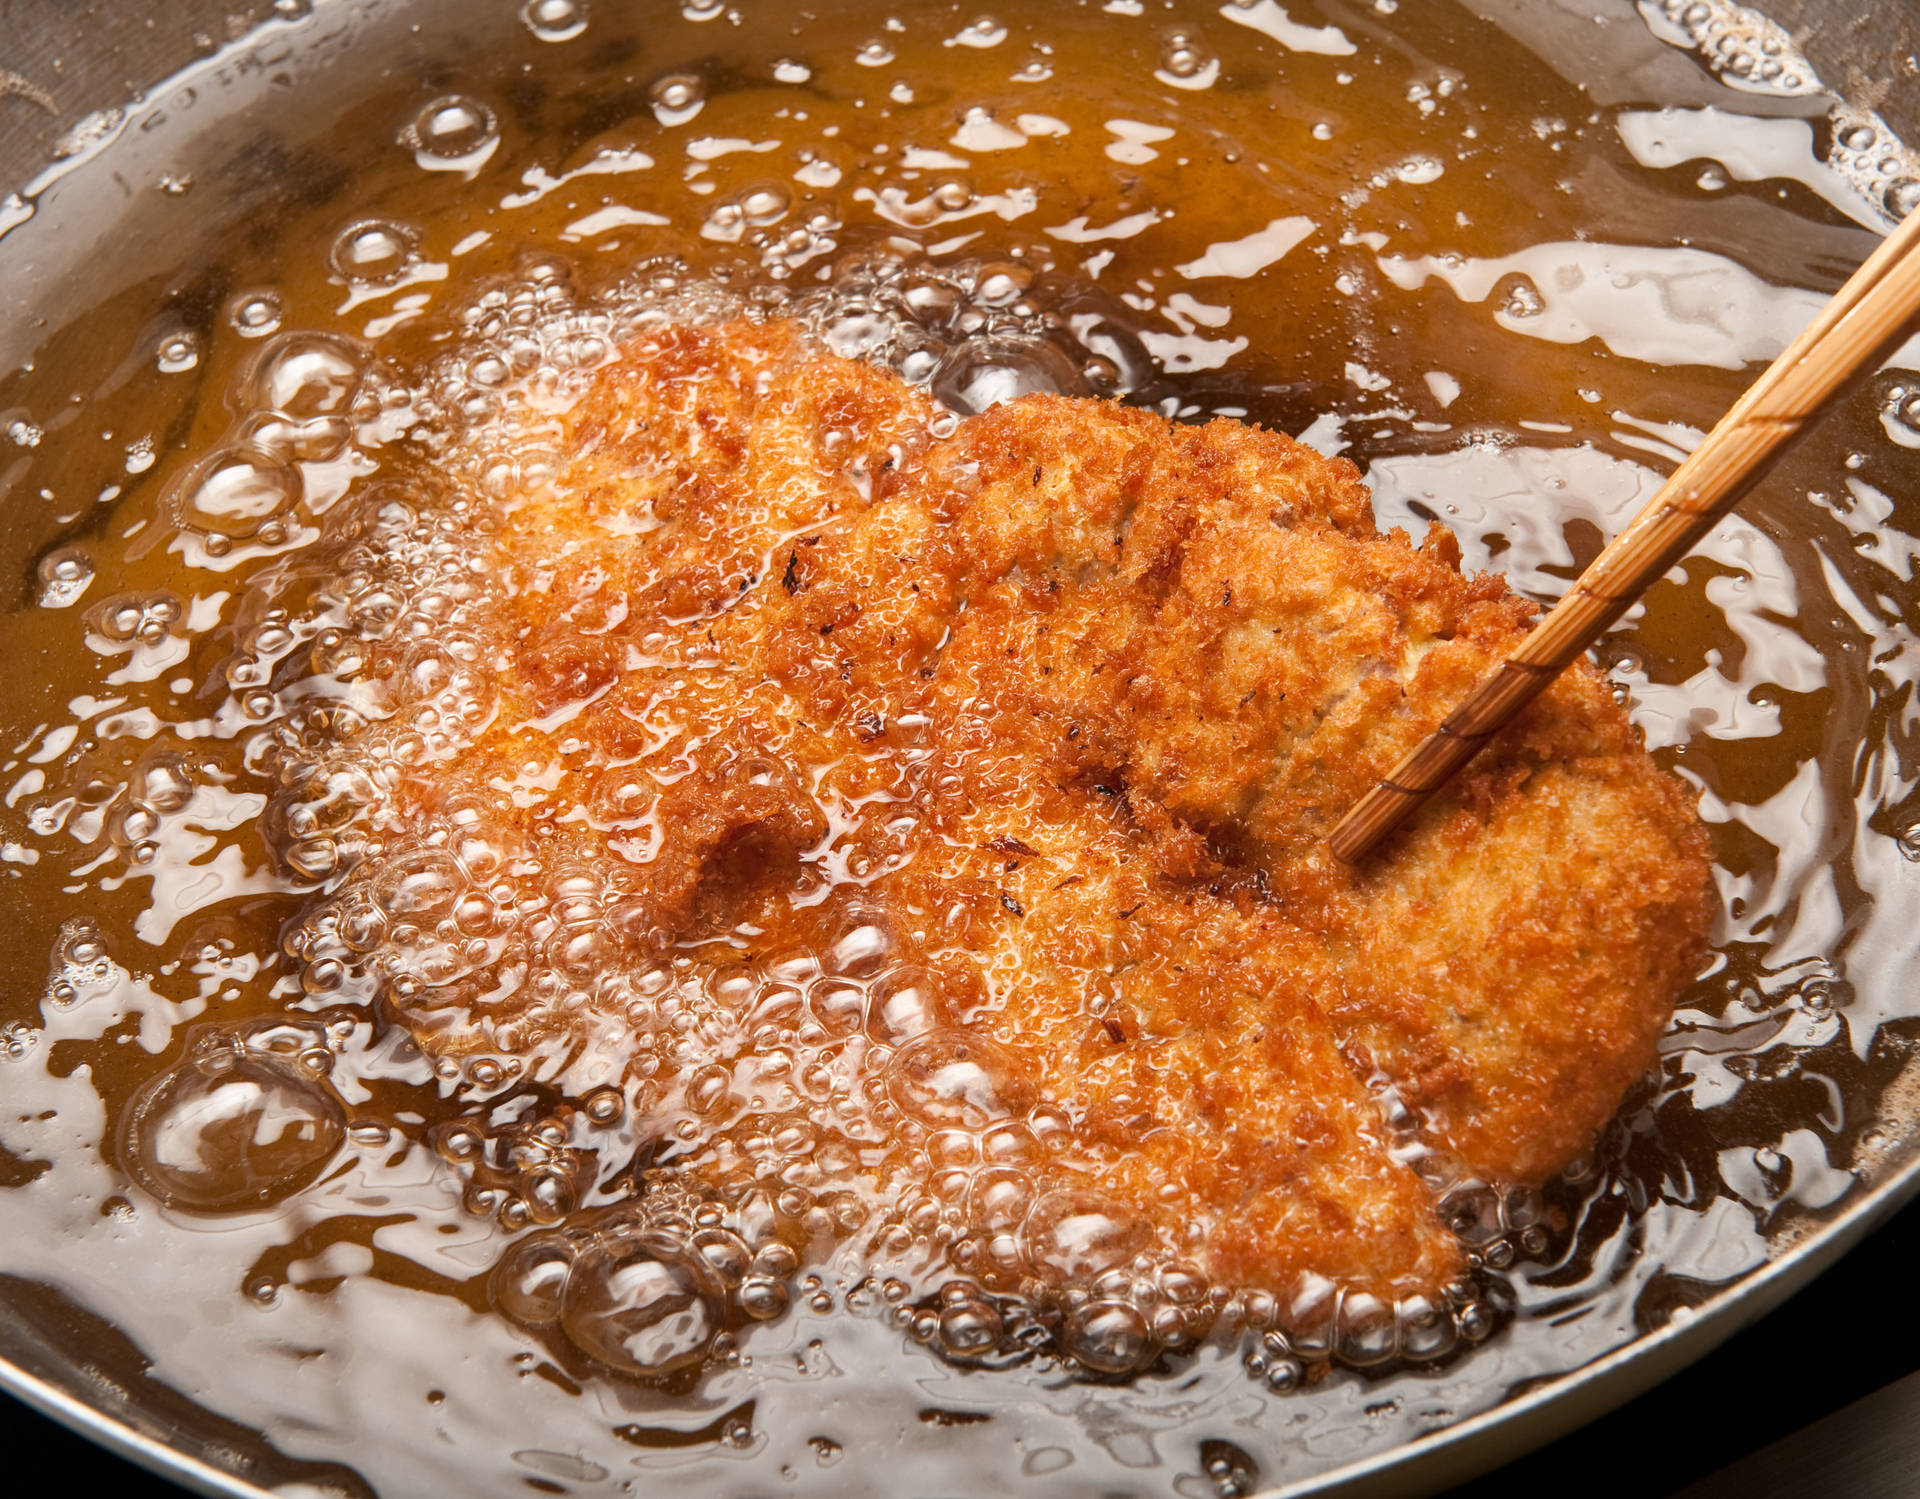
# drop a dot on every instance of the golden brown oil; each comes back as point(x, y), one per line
point(1395, 229)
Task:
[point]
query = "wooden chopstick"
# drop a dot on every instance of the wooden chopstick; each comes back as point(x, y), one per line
point(1866, 320)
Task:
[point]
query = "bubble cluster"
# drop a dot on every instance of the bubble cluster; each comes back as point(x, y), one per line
point(1516, 296)
point(836, 1100)
point(652, 1289)
point(65, 574)
point(1753, 53)
point(130, 620)
point(280, 461)
point(1747, 49)
point(975, 335)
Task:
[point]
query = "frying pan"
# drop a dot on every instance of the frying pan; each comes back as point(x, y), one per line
point(71, 73)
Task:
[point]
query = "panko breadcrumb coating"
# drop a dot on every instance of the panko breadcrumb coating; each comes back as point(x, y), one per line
point(999, 763)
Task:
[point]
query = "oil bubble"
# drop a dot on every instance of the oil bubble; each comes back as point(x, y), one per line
point(726, 1254)
point(1426, 1331)
point(224, 1131)
point(1366, 1330)
point(1108, 1337)
point(132, 619)
point(1517, 297)
point(677, 97)
point(762, 1297)
point(1186, 63)
point(162, 781)
point(303, 375)
point(529, 1282)
point(999, 285)
point(1903, 196)
point(177, 353)
point(554, 20)
point(956, 1078)
point(372, 252)
point(903, 1004)
point(1074, 1236)
point(765, 205)
point(65, 574)
point(17, 1040)
point(452, 134)
point(237, 492)
point(1900, 415)
point(1232, 1471)
point(643, 1304)
point(255, 314)
point(985, 32)
point(981, 373)
point(861, 948)
point(969, 1328)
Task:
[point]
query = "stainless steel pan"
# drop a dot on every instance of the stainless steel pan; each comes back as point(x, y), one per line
point(70, 72)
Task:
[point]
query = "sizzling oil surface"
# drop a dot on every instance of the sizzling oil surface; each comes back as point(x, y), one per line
point(1402, 232)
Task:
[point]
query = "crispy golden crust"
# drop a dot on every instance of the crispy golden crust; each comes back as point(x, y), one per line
point(1112, 679)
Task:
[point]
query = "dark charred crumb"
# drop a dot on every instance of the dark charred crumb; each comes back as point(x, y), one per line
point(1036, 476)
point(790, 580)
point(1128, 913)
point(1006, 843)
point(871, 725)
point(1114, 1033)
point(954, 1418)
point(1011, 905)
